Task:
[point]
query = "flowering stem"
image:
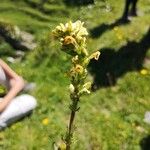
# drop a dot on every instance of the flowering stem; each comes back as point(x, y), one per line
point(72, 36)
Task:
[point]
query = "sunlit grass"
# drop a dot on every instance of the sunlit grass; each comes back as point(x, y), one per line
point(110, 118)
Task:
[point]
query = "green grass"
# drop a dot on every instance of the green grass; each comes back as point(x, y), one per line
point(111, 118)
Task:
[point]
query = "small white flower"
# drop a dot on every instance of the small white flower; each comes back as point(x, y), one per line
point(71, 88)
point(84, 91)
point(87, 85)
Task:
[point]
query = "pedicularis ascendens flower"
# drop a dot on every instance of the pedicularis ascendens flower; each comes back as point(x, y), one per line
point(72, 37)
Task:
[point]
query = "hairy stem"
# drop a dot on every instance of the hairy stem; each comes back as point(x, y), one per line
point(74, 106)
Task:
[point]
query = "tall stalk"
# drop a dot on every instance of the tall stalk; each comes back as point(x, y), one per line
point(70, 128)
point(73, 40)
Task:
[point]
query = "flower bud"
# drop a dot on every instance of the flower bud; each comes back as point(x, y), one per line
point(87, 85)
point(71, 88)
point(75, 59)
point(69, 40)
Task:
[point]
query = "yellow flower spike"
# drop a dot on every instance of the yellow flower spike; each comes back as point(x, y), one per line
point(144, 71)
point(58, 28)
point(95, 55)
point(69, 40)
point(79, 69)
point(45, 121)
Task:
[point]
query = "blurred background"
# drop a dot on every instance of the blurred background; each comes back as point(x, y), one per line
point(116, 115)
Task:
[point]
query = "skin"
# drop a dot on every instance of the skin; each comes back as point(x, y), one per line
point(16, 85)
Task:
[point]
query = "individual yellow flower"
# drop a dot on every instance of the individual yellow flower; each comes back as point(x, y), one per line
point(78, 29)
point(84, 90)
point(45, 121)
point(69, 40)
point(144, 71)
point(79, 69)
point(75, 59)
point(87, 85)
point(95, 55)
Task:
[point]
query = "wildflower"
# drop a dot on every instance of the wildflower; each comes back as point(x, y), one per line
point(71, 88)
point(75, 59)
point(69, 40)
point(45, 121)
point(144, 71)
point(79, 69)
point(85, 88)
point(84, 91)
point(87, 85)
point(75, 30)
point(95, 55)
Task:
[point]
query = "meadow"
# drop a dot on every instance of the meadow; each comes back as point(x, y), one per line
point(112, 116)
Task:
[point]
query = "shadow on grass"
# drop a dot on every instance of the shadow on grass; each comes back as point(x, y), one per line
point(78, 2)
point(145, 143)
point(29, 13)
point(99, 30)
point(16, 120)
point(46, 11)
point(113, 64)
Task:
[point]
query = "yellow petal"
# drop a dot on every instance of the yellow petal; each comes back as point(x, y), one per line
point(95, 55)
point(45, 121)
point(144, 72)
